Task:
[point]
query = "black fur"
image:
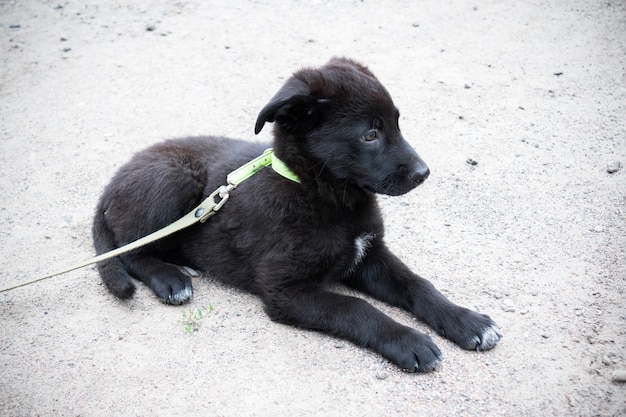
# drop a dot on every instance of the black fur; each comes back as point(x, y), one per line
point(336, 127)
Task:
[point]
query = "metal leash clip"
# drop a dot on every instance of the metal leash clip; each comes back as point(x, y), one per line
point(210, 205)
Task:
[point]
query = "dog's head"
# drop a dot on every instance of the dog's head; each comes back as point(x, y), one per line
point(338, 122)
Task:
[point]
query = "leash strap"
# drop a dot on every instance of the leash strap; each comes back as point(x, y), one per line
point(201, 213)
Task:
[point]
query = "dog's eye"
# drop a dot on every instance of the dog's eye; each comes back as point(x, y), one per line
point(371, 135)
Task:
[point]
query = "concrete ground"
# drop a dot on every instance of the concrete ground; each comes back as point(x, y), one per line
point(518, 108)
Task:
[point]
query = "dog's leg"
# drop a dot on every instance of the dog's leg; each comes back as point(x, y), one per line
point(157, 187)
point(168, 281)
point(356, 320)
point(382, 275)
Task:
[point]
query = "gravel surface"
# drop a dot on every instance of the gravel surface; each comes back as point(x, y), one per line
point(518, 108)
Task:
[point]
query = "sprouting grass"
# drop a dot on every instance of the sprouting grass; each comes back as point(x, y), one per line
point(192, 316)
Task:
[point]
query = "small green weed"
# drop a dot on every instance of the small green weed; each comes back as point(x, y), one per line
point(192, 316)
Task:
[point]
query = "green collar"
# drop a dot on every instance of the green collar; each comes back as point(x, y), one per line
point(266, 159)
point(282, 169)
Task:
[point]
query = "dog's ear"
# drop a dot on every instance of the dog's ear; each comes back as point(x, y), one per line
point(293, 106)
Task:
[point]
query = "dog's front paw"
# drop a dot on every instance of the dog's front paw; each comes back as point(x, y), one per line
point(487, 339)
point(411, 351)
point(470, 330)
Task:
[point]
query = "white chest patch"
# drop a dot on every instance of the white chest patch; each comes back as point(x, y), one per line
point(361, 245)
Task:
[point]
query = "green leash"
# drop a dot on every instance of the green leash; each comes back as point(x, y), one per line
point(201, 213)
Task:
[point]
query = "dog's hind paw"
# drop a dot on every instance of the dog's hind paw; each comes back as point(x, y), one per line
point(180, 297)
point(173, 288)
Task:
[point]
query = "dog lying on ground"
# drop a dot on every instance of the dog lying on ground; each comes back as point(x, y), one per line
point(336, 129)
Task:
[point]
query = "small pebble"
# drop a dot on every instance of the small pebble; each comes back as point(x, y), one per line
point(613, 167)
point(150, 27)
point(517, 258)
point(15, 26)
point(619, 375)
point(382, 375)
point(508, 307)
point(609, 360)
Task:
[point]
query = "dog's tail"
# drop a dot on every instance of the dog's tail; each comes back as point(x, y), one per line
point(112, 271)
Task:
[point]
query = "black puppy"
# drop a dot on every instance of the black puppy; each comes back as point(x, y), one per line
point(337, 130)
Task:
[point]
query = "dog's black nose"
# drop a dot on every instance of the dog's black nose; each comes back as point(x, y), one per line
point(420, 174)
